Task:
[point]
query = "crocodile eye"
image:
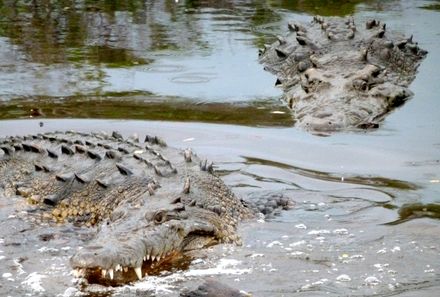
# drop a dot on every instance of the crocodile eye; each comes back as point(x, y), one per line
point(160, 217)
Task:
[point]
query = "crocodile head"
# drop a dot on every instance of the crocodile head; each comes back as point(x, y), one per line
point(338, 75)
point(148, 236)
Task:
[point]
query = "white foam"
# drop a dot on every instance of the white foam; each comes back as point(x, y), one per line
point(160, 285)
point(163, 285)
point(6, 275)
point(33, 281)
point(223, 267)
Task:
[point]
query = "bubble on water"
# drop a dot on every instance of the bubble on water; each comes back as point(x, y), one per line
point(297, 253)
point(70, 292)
point(320, 238)
point(198, 261)
point(380, 267)
point(395, 249)
point(359, 257)
point(382, 251)
point(256, 255)
point(391, 287)
point(318, 232)
point(297, 243)
point(47, 249)
point(372, 281)
point(341, 231)
point(276, 242)
point(343, 278)
point(301, 226)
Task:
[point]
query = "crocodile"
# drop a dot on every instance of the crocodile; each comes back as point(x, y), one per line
point(151, 204)
point(337, 75)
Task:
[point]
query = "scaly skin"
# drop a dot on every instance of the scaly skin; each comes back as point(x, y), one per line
point(152, 203)
point(337, 75)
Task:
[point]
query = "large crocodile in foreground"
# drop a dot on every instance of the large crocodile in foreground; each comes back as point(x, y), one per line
point(337, 75)
point(151, 203)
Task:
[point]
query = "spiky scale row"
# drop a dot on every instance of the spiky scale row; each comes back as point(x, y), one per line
point(69, 152)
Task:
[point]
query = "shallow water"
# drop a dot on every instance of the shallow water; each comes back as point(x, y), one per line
point(188, 71)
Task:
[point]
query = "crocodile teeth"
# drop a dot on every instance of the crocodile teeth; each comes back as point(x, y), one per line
point(158, 258)
point(145, 258)
point(110, 272)
point(75, 272)
point(125, 269)
point(148, 256)
point(138, 271)
point(153, 258)
point(118, 267)
point(103, 272)
point(78, 272)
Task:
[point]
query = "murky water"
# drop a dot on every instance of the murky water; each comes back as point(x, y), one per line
point(366, 215)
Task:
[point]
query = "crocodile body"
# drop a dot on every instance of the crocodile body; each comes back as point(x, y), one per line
point(337, 75)
point(151, 203)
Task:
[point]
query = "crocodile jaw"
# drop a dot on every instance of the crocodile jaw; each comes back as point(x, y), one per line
point(117, 257)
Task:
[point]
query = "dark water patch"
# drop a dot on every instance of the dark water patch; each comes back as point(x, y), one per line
point(194, 78)
point(333, 177)
point(432, 6)
point(108, 56)
point(412, 211)
point(165, 68)
point(319, 7)
point(145, 106)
